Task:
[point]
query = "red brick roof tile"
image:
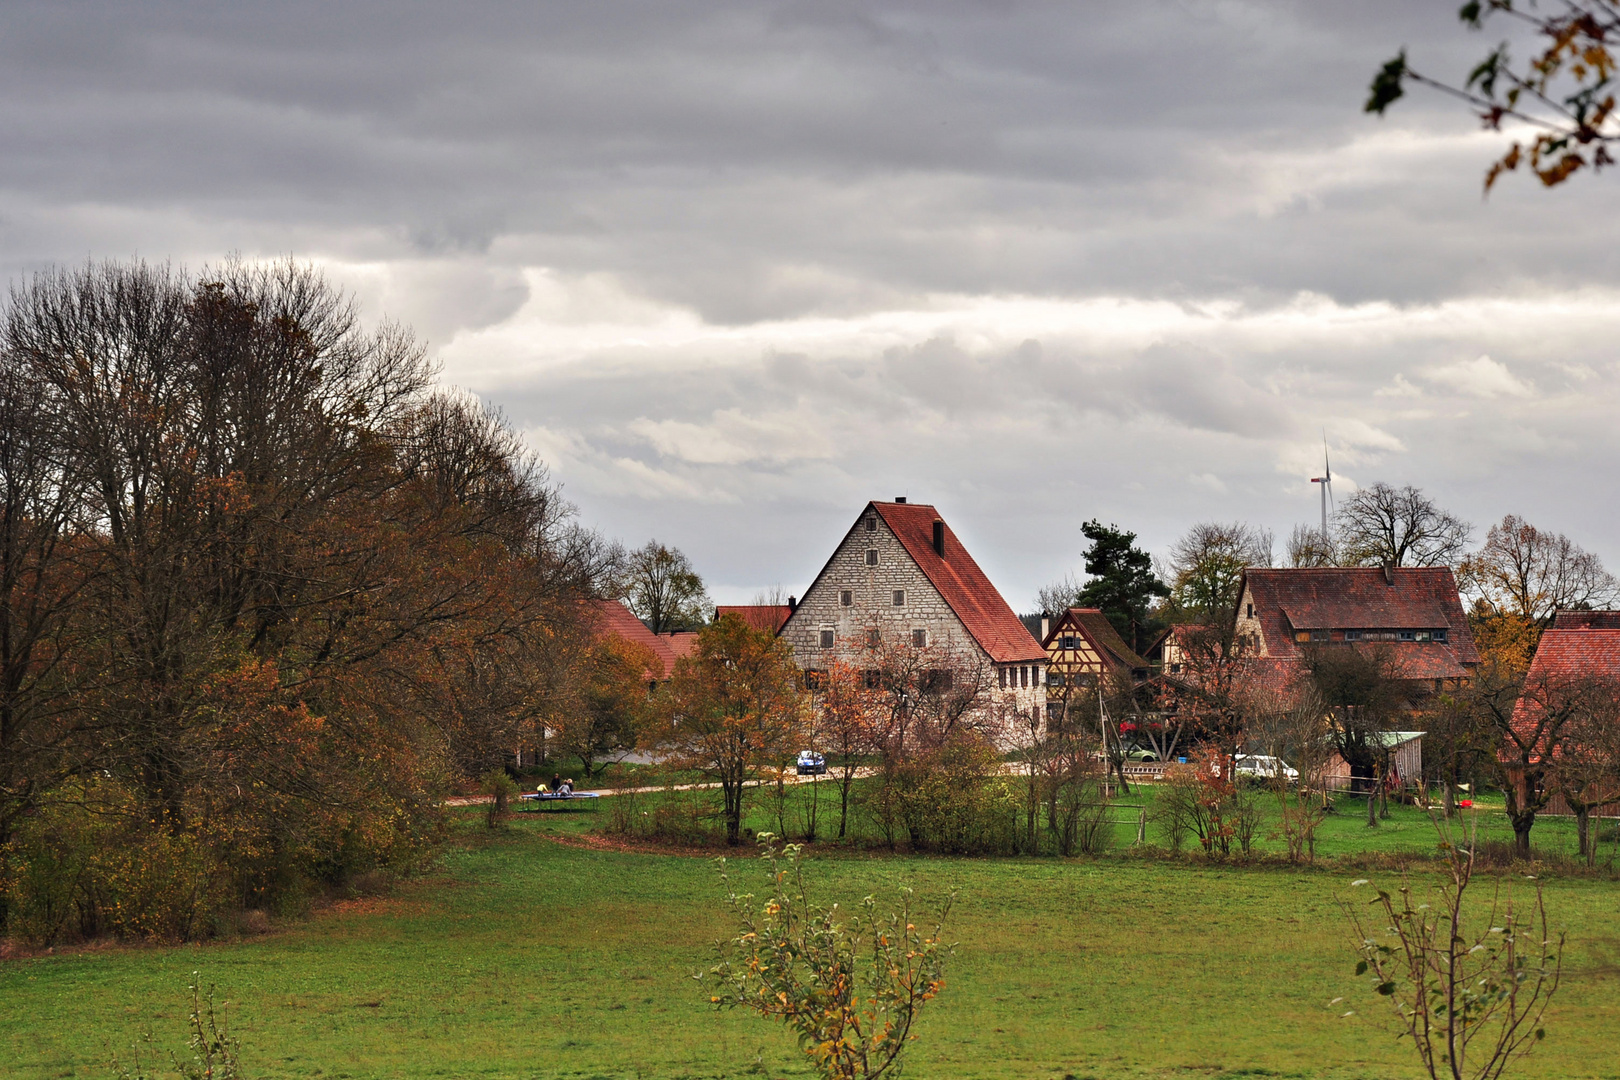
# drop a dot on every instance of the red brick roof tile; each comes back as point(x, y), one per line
point(964, 586)
point(1361, 598)
point(768, 617)
point(612, 617)
point(1563, 655)
point(1586, 620)
point(680, 643)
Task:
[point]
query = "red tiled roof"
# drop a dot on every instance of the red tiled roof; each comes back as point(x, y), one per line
point(768, 617)
point(1576, 653)
point(963, 585)
point(613, 617)
point(1361, 598)
point(1586, 620)
point(679, 643)
point(1423, 660)
point(1391, 614)
point(1566, 654)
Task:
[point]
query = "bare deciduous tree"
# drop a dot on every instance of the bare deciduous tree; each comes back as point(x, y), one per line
point(1308, 547)
point(1532, 574)
point(1469, 990)
point(1382, 525)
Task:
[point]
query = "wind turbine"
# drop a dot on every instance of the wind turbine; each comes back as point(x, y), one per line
point(1326, 480)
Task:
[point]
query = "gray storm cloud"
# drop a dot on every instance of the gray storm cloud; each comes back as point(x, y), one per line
point(737, 267)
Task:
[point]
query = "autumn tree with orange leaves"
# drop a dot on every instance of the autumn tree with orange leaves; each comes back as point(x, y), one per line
point(847, 714)
point(268, 592)
point(612, 710)
point(732, 708)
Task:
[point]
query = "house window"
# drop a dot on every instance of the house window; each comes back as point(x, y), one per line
point(1352, 635)
point(871, 556)
point(938, 681)
point(1035, 713)
point(873, 678)
point(1001, 677)
point(1319, 636)
point(1023, 676)
point(1423, 635)
point(899, 598)
point(1036, 677)
point(871, 524)
point(1440, 636)
point(814, 679)
point(919, 639)
point(873, 637)
point(1251, 611)
point(826, 639)
point(1303, 637)
point(1069, 642)
point(1055, 679)
point(1408, 635)
point(846, 599)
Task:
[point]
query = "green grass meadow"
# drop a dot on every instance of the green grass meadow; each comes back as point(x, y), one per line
point(532, 956)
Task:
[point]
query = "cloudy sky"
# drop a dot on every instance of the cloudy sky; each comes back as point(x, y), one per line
point(737, 268)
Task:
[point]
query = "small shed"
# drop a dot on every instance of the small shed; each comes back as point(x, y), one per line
point(1405, 764)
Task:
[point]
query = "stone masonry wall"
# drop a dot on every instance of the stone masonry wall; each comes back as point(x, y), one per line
point(872, 591)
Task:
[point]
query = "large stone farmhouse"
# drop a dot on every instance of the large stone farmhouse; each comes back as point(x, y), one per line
point(900, 577)
point(1414, 613)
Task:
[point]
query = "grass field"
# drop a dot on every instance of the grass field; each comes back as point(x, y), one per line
point(535, 957)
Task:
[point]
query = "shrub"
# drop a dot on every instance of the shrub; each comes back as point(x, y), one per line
point(92, 862)
point(500, 787)
point(850, 987)
point(1468, 983)
point(1202, 799)
point(952, 800)
point(682, 818)
point(214, 1054)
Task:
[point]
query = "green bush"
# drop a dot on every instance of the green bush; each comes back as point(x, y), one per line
point(952, 800)
point(92, 862)
point(81, 870)
point(682, 818)
point(501, 787)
